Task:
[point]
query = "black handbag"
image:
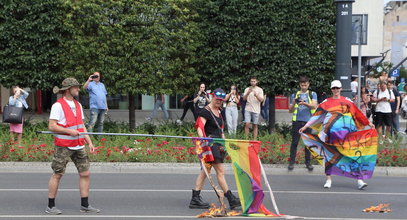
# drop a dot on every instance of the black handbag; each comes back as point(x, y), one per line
point(12, 114)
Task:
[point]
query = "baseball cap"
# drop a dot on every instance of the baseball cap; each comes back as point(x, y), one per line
point(219, 94)
point(336, 83)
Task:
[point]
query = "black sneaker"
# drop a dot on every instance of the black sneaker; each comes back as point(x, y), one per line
point(290, 167)
point(309, 167)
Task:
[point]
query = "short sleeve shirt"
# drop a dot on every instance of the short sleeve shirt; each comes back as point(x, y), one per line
point(97, 95)
point(383, 107)
point(252, 103)
point(394, 104)
point(202, 102)
point(303, 112)
point(57, 113)
point(211, 128)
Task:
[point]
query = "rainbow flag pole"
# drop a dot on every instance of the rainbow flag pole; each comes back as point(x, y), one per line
point(273, 200)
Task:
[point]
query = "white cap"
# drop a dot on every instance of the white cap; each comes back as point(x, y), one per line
point(336, 83)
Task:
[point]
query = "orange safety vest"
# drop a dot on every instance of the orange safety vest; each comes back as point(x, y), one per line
point(72, 122)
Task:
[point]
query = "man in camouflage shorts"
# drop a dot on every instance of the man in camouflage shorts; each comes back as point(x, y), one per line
point(66, 120)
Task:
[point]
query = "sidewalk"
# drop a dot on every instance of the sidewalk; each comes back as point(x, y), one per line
point(179, 168)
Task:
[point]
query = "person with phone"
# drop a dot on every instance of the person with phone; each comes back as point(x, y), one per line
point(383, 97)
point(253, 96)
point(303, 104)
point(97, 101)
point(17, 100)
point(201, 99)
point(232, 114)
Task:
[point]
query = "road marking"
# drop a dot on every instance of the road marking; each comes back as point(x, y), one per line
point(182, 190)
point(158, 217)
point(122, 216)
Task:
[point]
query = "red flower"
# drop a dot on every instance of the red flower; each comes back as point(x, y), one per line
point(43, 145)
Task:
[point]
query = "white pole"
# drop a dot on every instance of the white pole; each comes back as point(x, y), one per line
point(268, 186)
point(360, 61)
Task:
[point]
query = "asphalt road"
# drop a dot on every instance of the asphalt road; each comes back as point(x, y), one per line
point(166, 196)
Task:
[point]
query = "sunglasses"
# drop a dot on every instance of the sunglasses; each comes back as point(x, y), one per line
point(220, 95)
point(335, 88)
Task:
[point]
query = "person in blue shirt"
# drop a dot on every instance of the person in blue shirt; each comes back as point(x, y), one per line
point(17, 100)
point(97, 101)
point(302, 104)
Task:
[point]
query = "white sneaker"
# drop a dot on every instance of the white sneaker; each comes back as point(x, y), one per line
point(361, 184)
point(381, 141)
point(390, 141)
point(328, 184)
point(179, 122)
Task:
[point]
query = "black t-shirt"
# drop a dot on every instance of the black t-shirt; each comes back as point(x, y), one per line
point(190, 98)
point(211, 128)
point(201, 103)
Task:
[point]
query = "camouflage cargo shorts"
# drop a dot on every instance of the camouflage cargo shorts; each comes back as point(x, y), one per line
point(61, 158)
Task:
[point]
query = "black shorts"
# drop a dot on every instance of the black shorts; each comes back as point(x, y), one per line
point(219, 153)
point(384, 119)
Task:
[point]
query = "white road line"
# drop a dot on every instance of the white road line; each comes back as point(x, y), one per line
point(182, 190)
point(158, 217)
point(124, 216)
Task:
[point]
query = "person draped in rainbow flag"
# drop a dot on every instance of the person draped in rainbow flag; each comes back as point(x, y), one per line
point(342, 139)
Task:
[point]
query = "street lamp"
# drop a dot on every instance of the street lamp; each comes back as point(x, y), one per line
point(359, 58)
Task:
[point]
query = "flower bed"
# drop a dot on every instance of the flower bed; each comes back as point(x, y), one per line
point(275, 148)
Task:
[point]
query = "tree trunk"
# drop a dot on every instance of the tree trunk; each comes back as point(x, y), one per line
point(132, 108)
point(272, 114)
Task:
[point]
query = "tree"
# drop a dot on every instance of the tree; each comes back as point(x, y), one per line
point(30, 48)
point(277, 41)
point(141, 47)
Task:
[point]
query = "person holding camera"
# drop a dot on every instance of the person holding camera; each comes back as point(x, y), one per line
point(97, 101)
point(302, 104)
point(253, 96)
point(201, 99)
point(383, 97)
point(232, 114)
point(17, 100)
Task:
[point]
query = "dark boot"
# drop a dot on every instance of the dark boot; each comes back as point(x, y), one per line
point(309, 167)
point(234, 202)
point(196, 201)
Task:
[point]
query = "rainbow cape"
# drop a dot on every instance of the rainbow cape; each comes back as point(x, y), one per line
point(247, 170)
point(342, 140)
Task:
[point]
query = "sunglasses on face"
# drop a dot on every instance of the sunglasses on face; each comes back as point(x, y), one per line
point(335, 88)
point(220, 94)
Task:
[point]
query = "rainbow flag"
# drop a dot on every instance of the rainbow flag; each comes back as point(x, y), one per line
point(342, 140)
point(247, 170)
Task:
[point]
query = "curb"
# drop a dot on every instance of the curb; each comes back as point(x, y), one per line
point(180, 168)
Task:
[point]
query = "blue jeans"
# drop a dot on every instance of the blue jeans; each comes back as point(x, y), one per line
point(97, 117)
point(159, 104)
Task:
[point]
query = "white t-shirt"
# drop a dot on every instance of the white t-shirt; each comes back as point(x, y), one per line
point(57, 113)
point(383, 107)
point(354, 86)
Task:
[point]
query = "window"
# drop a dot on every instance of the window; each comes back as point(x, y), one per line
point(174, 101)
point(359, 28)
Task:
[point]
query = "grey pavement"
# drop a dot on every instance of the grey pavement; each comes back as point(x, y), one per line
point(185, 168)
point(166, 196)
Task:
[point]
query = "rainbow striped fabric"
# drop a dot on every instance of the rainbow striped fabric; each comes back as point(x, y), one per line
point(342, 139)
point(247, 170)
